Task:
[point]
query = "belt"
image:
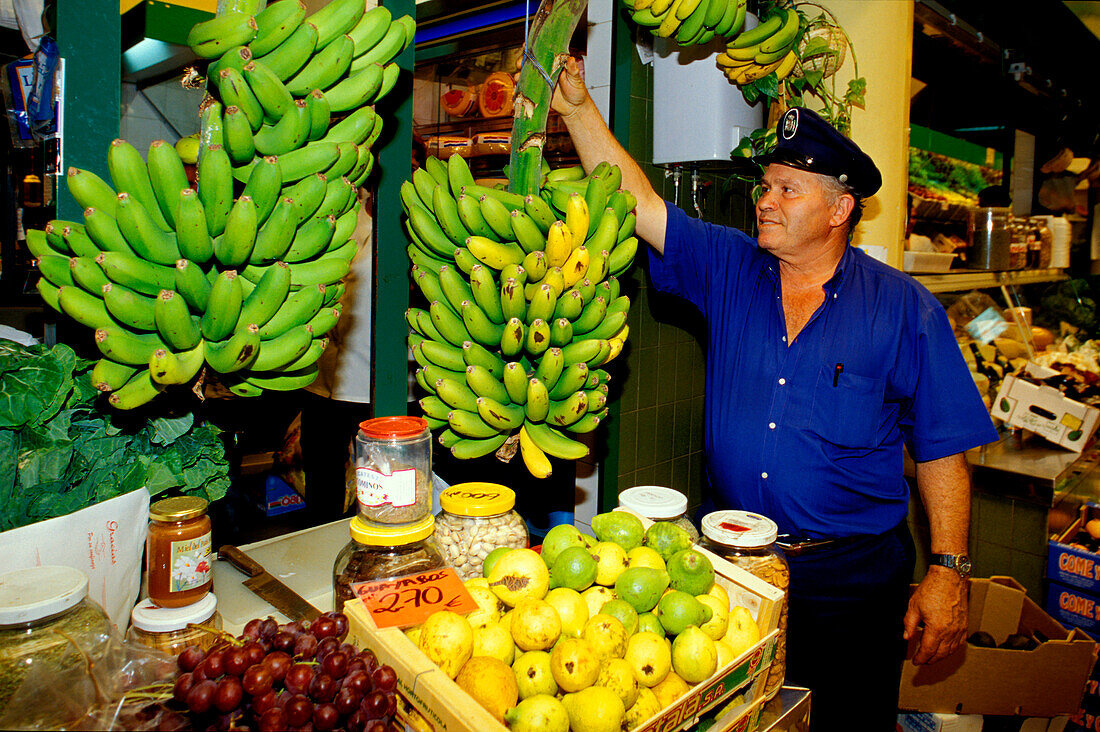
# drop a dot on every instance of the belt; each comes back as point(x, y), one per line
point(794, 546)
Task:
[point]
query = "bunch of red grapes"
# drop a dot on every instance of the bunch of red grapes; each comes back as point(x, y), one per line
point(295, 676)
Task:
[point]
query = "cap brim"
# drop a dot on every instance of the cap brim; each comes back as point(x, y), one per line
point(746, 167)
point(781, 156)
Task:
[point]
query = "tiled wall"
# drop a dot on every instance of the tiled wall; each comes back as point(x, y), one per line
point(661, 402)
point(163, 111)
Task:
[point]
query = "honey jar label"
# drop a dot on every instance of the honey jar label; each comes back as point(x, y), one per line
point(378, 489)
point(190, 563)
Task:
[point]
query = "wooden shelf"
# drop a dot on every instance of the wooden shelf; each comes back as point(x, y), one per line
point(969, 279)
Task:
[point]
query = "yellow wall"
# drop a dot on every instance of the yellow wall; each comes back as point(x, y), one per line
point(882, 34)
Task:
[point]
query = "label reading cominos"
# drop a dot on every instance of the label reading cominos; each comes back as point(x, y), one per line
point(378, 489)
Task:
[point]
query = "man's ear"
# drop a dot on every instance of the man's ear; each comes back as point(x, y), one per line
point(842, 209)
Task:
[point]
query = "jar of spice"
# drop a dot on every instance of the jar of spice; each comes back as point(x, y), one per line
point(476, 519)
point(178, 551)
point(47, 620)
point(381, 552)
point(748, 540)
point(658, 503)
point(171, 629)
point(393, 470)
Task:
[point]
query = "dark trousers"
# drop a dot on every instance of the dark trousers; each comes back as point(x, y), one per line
point(844, 635)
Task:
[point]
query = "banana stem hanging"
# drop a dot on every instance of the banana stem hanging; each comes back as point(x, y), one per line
point(545, 52)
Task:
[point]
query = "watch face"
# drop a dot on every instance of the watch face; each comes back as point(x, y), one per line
point(963, 564)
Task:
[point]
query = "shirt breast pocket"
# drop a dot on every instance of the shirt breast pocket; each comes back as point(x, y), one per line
point(847, 414)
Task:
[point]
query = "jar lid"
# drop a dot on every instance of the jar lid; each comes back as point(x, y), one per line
point(654, 501)
point(27, 595)
point(390, 428)
point(740, 529)
point(397, 535)
point(179, 508)
point(153, 618)
point(477, 499)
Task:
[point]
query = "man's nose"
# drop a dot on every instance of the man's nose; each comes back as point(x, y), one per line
point(766, 202)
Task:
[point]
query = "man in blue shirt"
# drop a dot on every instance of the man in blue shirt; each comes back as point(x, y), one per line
point(822, 364)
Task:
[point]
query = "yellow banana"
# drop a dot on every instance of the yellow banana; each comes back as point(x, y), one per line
point(533, 457)
point(559, 243)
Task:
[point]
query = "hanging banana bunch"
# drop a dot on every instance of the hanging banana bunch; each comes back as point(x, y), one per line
point(689, 22)
point(525, 308)
point(769, 48)
point(241, 274)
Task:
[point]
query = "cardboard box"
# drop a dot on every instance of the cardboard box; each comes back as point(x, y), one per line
point(444, 706)
point(1074, 608)
point(933, 722)
point(1043, 682)
point(275, 496)
point(1075, 566)
point(1045, 410)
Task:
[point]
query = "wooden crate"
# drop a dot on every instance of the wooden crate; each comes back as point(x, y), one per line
point(445, 706)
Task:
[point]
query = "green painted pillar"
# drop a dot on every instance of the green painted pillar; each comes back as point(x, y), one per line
point(391, 263)
point(89, 37)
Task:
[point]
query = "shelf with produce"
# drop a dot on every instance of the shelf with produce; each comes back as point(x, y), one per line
point(980, 279)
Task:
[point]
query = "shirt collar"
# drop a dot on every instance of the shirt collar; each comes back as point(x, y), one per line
point(832, 285)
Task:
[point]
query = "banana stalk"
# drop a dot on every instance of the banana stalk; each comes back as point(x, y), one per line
point(548, 45)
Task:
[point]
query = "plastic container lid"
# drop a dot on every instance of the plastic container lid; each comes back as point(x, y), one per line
point(740, 529)
point(396, 535)
point(392, 428)
point(477, 499)
point(27, 595)
point(654, 501)
point(153, 618)
point(180, 508)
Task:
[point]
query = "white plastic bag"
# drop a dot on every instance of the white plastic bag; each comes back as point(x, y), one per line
point(104, 541)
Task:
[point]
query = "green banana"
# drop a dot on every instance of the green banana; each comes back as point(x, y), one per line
point(541, 306)
point(425, 185)
point(108, 375)
point(356, 127)
point(550, 367)
point(382, 52)
point(235, 92)
point(264, 186)
point(622, 256)
point(597, 399)
point(55, 268)
point(90, 191)
point(316, 157)
point(474, 354)
point(87, 274)
point(428, 232)
point(338, 195)
point(289, 133)
point(211, 38)
point(234, 246)
point(144, 237)
point(540, 213)
point(103, 230)
point(512, 302)
point(332, 294)
point(83, 307)
point(215, 189)
point(136, 392)
point(591, 316)
point(567, 411)
point(269, 295)
point(192, 285)
point(470, 449)
point(274, 238)
point(482, 382)
point(446, 212)
point(515, 381)
point(298, 309)
point(483, 330)
point(485, 293)
point(370, 29)
point(538, 337)
point(174, 323)
point(569, 306)
point(581, 351)
point(166, 367)
point(538, 400)
point(281, 350)
point(284, 381)
point(469, 212)
point(275, 24)
point(454, 287)
point(760, 33)
point(307, 195)
point(345, 227)
point(587, 423)
point(235, 57)
point(435, 407)
point(192, 235)
point(324, 69)
point(455, 393)
point(349, 158)
point(561, 332)
point(448, 324)
point(496, 214)
point(444, 355)
point(223, 308)
point(135, 273)
point(391, 72)
point(320, 115)
point(511, 201)
point(433, 373)
point(50, 294)
point(554, 443)
point(501, 415)
point(293, 53)
point(119, 344)
point(526, 232)
point(355, 90)
point(129, 308)
point(313, 353)
point(39, 245)
point(535, 265)
point(776, 45)
point(323, 271)
point(312, 238)
point(236, 352)
point(470, 424)
point(237, 136)
point(129, 173)
point(335, 19)
point(210, 123)
point(78, 241)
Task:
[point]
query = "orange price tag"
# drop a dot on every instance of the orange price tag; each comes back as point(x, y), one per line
point(409, 600)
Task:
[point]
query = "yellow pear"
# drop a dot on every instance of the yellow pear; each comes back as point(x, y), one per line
point(717, 590)
point(413, 634)
point(719, 619)
point(538, 713)
point(742, 632)
point(572, 609)
point(489, 606)
point(574, 664)
point(448, 640)
point(491, 683)
point(611, 560)
point(595, 709)
point(650, 658)
point(494, 641)
point(596, 596)
point(533, 674)
point(643, 556)
point(671, 689)
point(607, 636)
point(518, 575)
point(644, 708)
point(694, 657)
point(535, 625)
point(476, 582)
point(618, 675)
point(725, 652)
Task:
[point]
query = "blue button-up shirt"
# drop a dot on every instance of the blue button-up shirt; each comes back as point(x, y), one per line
point(810, 433)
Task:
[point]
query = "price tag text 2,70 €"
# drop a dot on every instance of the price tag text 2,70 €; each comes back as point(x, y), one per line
point(409, 600)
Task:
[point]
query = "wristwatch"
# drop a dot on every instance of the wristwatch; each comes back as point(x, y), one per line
point(958, 562)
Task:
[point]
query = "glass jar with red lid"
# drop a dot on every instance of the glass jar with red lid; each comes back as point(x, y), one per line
point(393, 470)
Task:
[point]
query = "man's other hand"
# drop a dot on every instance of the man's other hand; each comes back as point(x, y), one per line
point(570, 92)
point(941, 603)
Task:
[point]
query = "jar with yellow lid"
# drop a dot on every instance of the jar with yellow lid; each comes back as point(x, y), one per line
point(476, 519)
point(178, 551)
point(171, 629)
point(380, 552)
point(748, 540)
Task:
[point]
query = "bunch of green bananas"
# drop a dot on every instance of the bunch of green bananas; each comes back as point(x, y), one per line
point(768, 48)
point(525, 306)
point(689, 22)
point(243, 273)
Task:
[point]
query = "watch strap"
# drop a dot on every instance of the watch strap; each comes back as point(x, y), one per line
point(958, 562)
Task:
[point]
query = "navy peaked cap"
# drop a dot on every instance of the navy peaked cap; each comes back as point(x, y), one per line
point(808, 142)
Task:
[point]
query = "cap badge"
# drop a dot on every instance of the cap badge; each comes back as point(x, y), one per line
point(790, 124)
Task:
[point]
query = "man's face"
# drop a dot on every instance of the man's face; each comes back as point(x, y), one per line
point(794, 210)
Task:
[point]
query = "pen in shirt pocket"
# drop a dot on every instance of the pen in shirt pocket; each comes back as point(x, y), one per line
point(837, 371)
